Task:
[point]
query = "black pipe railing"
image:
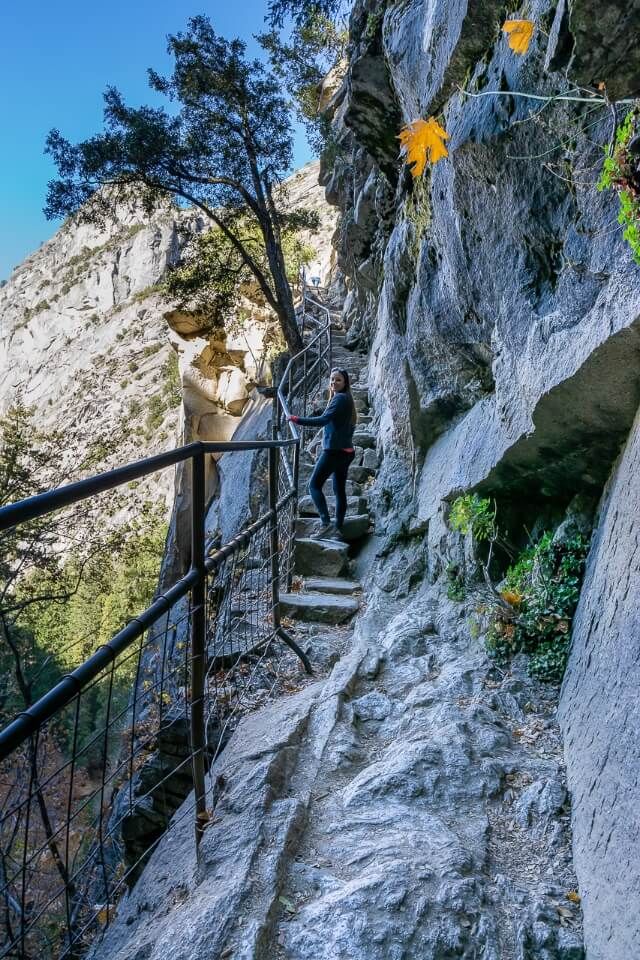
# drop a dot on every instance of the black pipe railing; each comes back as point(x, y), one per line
point(92, 772)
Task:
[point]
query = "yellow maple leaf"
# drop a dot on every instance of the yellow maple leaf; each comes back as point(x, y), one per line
point(422, 141)
point(512, 596)
point(519, 34)
point(573, 896)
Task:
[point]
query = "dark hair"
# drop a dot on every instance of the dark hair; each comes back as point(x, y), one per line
point(347, 389)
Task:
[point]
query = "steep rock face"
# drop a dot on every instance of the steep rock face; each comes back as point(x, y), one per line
point(83, 341)
point(600, 716)
point(598, 49)
point(500, 304)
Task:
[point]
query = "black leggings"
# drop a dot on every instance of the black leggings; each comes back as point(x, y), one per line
point(329, 462)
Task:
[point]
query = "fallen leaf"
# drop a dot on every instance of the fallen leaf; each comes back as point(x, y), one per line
point(573, 896)
point(519, 34)
point(422, 141)
point(287, 904)
point(512, 597)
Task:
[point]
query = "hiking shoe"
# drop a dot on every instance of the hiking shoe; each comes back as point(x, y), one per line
point(323, 531)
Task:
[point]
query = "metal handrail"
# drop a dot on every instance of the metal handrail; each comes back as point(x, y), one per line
point(25, 731)
point(43, 503)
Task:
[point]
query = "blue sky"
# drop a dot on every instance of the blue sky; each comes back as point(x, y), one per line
point(56, 58)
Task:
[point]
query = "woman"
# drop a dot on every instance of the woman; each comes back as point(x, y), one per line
point(338, 420)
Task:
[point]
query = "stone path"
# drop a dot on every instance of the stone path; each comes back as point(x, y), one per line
point(325, 593)
point(408, 804)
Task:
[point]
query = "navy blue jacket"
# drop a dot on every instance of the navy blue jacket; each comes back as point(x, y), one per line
point(336, 420)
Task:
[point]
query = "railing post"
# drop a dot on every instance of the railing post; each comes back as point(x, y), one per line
point(305, 390)
point(273, 530)
point(294, 512)
point(198, 640)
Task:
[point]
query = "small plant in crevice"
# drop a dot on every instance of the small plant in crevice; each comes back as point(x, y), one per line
point(475, 515)
point(621, 172)
point(456, 589)
point(531, 610)
point(539, 596)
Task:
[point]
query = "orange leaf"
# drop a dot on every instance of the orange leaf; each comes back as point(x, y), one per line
point(512, 597)
point(573, 896)
point(519, 34)
point(422, 141)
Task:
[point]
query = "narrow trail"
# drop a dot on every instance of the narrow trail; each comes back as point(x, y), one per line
point(407, 803)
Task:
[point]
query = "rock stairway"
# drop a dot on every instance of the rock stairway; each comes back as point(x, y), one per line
point(325, 593)
point(410, 805)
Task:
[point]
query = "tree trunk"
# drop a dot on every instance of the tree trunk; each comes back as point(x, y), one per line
point(285, 309)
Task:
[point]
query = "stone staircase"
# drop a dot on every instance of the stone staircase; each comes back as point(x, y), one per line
point(324, 590)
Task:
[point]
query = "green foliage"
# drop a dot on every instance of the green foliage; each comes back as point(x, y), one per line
point(147, 292)
point(620, 172)
point(474, 514)
point(542, 588)
point(101, 596)
point(157, 410)
point(213, 274)
point(315, 47)
point(172, 389)
point(372, 25)
point(455, 583)
point(300, 11)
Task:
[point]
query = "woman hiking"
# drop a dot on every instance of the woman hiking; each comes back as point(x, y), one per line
point(338, 420)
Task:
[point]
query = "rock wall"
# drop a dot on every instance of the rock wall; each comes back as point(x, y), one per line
point(500, 306)
point(600, 716)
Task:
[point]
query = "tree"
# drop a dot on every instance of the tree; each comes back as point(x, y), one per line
point(301, 11)
point(67, 584)
point(315, 47)
point(212, 275)
point(225, 150)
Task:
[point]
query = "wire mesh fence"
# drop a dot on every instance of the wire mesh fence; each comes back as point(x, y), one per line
point(93, 773)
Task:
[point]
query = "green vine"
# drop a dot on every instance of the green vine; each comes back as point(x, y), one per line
point(621, 172)
point(540, 594)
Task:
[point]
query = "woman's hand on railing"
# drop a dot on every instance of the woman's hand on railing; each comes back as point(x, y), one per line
point(293, 418)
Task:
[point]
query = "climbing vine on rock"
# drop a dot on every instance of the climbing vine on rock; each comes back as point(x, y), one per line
point(621, 172)
point(531, 610)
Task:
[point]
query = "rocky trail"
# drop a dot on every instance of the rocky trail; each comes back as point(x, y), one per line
point(408, 802)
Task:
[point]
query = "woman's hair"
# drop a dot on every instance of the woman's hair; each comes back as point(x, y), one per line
point(347, 389)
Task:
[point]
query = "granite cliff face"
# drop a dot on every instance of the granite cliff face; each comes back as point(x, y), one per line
point(88, 340)
point(500, 304)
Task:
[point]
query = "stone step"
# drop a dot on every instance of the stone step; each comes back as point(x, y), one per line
point(331, 585)
point(320, 558)
point(361, 474)
point(318, 607)
point(307, 507)
point(355, 527)
point(364, 438)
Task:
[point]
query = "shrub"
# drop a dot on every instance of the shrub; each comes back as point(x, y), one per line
point(620, 173)
point(474, 514)
point(541, 590)
point(172, 388)
point(455, 583)
point(157, 410)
